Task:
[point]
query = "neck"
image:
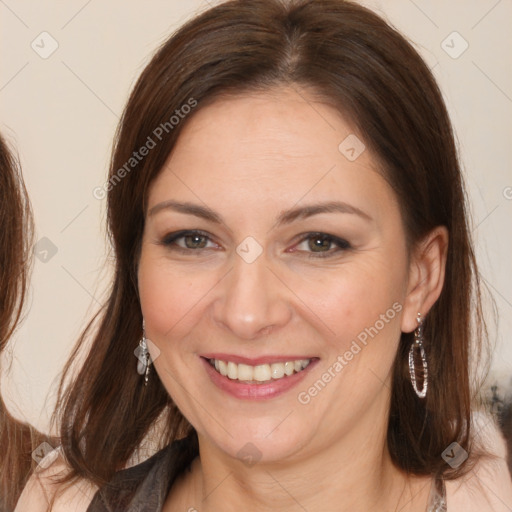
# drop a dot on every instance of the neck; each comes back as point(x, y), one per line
point(338, 483)
point(353, 473)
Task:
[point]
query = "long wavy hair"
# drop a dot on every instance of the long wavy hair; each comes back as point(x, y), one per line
point(353, 60)
point(17, 439)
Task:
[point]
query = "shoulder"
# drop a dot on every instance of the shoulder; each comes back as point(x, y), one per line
point(146, 483)
point(43, 491)
point(488, 486)
point(144, 486)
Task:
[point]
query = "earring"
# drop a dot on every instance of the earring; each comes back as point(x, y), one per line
point(418, 343)
point(143, 356)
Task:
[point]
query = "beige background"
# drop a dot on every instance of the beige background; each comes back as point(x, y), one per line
point(61, 113)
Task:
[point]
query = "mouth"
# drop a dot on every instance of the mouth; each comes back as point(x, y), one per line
point(261, 373)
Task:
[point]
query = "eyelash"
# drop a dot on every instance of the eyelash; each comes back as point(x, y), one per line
point(170, 239)
point(342, 244)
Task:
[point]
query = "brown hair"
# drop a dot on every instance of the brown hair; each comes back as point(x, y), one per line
point(353, 60)
point(17, 440)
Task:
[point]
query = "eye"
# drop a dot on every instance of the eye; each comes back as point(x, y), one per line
point(321, 245)
point(188, 240)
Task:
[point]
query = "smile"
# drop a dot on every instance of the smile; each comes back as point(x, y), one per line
point(259, 374)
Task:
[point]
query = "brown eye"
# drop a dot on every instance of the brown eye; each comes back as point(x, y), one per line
point(195, 241)
point(320, 243)
point(185, 240)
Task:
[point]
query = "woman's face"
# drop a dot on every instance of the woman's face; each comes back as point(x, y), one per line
point(272, 242)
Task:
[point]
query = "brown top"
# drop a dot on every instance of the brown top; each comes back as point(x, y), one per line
point(144, 488)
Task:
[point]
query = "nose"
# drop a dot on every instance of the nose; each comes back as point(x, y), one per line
point(252, 301)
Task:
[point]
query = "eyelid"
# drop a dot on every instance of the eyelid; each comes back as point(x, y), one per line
point(170, 238)
point(342, 244)
point(310, 234)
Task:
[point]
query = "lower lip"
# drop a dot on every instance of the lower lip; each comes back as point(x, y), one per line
point(255, 391)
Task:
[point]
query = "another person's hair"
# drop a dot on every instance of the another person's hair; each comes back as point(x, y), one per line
point(17, 439)
point(348, 57)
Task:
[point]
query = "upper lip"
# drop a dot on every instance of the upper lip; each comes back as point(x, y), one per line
point(255, 361)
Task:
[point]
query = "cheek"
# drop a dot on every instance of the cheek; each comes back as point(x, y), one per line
point(360, 311)
point(171, 298)
point(349, 300)
point(159, 295)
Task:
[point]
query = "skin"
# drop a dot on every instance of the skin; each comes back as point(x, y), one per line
point(249, 159)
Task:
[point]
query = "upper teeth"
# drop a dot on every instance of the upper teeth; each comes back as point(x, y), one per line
point(259, 373)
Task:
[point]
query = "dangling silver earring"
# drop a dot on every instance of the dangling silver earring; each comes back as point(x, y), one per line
point(418, 343)
point(143, 356)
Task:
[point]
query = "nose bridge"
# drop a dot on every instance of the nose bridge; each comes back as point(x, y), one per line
point(252, 299)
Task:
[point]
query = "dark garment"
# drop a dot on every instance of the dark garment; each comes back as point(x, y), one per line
point(144, 488)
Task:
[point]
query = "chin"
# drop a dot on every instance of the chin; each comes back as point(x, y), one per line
point(260, 441)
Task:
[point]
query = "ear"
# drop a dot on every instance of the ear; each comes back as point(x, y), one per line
point(426, 276)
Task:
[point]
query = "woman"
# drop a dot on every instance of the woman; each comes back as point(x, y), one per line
point(17, 440)
point(293, 258)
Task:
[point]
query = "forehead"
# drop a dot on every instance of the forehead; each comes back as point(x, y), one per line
point(279, 124)
point(270, 149)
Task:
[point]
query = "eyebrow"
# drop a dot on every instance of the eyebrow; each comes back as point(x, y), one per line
point(188, 208)
point(286, 217)
point(303, 212)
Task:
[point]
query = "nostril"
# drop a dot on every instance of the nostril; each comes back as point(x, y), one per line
point(267, 330)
